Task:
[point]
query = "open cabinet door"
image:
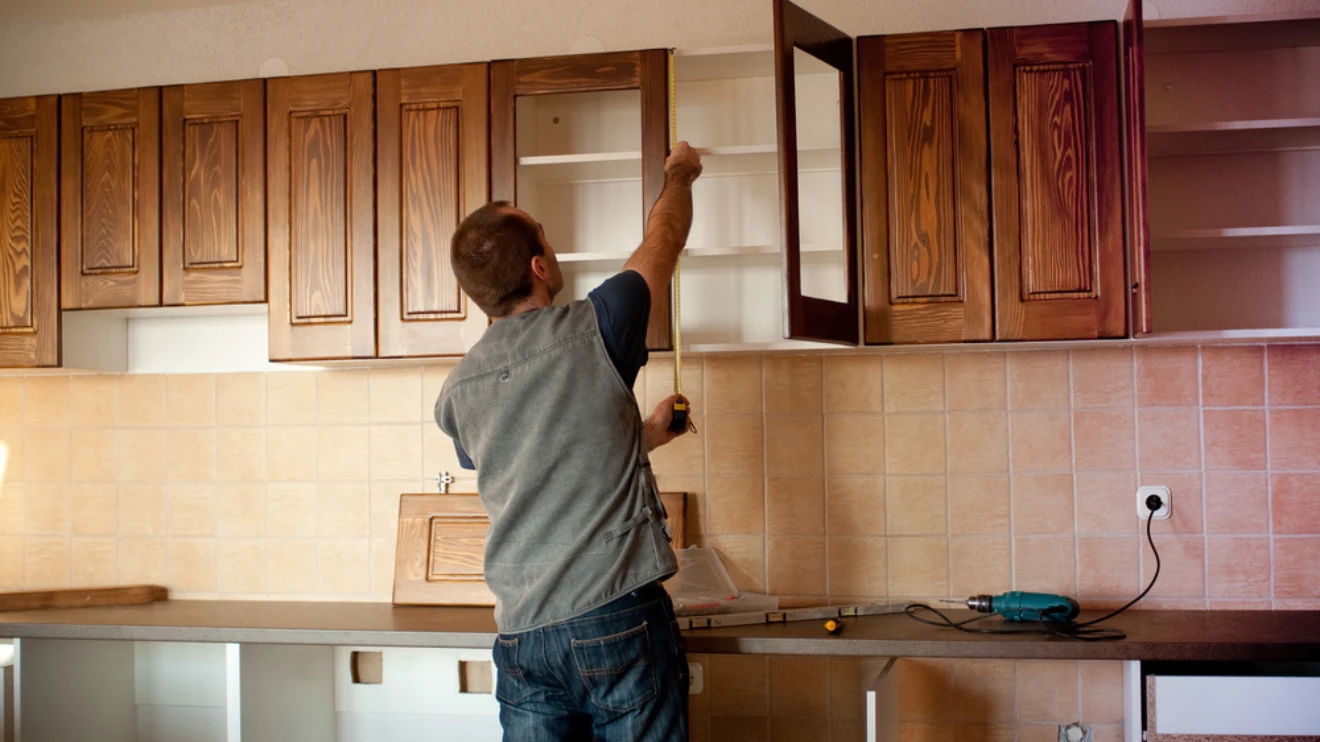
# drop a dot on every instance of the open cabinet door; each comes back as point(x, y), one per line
point(1137, 168)
point(815, 164)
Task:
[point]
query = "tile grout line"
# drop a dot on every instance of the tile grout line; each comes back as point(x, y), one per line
point(1136, 439)
point(1269, 471)
point(1012, 527)
point(1205, 475)
point(1072, 439)
point(948, 504)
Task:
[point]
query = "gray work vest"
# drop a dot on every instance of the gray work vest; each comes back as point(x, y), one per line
point(556, 436)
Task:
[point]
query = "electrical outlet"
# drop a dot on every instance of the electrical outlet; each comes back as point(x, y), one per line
point(1075, 732)
point(1165, 510)
point(696, 683)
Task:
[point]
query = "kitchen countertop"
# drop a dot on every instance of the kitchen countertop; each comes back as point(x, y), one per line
point(1152, 635)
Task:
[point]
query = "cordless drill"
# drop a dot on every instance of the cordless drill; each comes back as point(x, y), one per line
point(1020, 606)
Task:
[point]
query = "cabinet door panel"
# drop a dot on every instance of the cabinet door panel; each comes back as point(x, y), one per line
point(213, 193)
point(925, 195)
point(29, 284)
point(110, 237)
point(1138, 170)
point(321, 182)
point(431, 152)
point(1057, 179)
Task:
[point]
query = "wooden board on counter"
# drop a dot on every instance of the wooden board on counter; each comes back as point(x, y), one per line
point(442, 545)
point(83, 598)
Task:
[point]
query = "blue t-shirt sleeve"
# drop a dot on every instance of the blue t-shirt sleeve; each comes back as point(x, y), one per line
point(623, 311)
point(464, 460)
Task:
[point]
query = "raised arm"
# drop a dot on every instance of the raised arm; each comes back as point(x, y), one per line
point(671, 218)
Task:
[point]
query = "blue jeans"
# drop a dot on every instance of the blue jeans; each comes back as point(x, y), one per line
point(615, 674)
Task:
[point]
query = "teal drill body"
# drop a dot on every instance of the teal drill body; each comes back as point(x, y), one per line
point(1020, 606)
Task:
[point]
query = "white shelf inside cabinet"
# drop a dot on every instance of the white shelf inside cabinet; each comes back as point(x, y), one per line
point(1232, 238)
point(756, 159)
point(724, 63)
point(583, 167)
point(1233, 137)
point(698, 255)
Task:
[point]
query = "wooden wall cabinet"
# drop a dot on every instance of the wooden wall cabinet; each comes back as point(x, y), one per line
point(29, 284)
point(110, 199)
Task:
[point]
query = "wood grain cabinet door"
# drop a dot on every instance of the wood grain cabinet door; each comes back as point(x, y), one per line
point(29, 284)
point(320, 185)
point(431, 159)
point(1057, 180)
point(925, 188)
point(1138, 168)
point(213, 193)
point(110, 199)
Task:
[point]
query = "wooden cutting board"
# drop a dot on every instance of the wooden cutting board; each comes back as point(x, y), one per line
point(442, 545)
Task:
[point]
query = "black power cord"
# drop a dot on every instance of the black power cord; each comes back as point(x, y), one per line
point(1048, 625)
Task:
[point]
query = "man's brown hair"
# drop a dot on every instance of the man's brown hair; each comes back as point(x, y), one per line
point(491, 252)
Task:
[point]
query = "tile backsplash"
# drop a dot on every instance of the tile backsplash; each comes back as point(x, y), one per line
point(817, 477)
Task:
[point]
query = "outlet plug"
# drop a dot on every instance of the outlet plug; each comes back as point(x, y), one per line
point(1166, 502)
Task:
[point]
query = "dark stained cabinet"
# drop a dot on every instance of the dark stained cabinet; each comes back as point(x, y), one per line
point(925, 192)
point(1137, 168)
point(320, 186)
point(431, 157)
point(29, 285)
point(1057, 182)
point(110, 191)
point(213, 193)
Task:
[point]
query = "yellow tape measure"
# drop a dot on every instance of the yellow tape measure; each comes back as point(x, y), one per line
point(681, 420)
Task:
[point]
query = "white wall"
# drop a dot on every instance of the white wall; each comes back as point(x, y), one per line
point(233, 41)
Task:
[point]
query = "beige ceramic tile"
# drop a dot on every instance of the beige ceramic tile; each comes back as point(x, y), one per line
point(853, 383)
point(95, 454)
point(1042, 504)
point(1102, 692)
point(1234, 439)
point(11, 562)
point(240, 454)
point(46, 562)
point(733, 385)
point(396, 395)
point(978, 442)
point(192, 565)
point(795, 505)
point(141, 400)
point(1038, 380)
point(142, 454)
point(438, 452)
point(382, 566)
point(784, 729)
point(685, 455)
point(984, 691)
point(346, 567)
point(1047, 691)
point(794, 445)
point(291, 398)
point(95, 508)
point(744, 729)
point(240, 510)
point(1295, 575)
point(980, 564)
point(384, 505)
point(739, 685)
point(144, 560)
point(241, 566)
point(293, 566)
point(11, 510)
point(855, 444)
point(240, 399)
point(342, 510)
point(142, 509)
point(916, 505)
point(94, 400)
point(343, 452)
point(918, 566)
point(1108, 566)
point(855, 505)
point(849, 679)
point(734, 444)
point(793, 383)
point(47, 401)
point(914, 444)
point(1045, 564)
point(434, 375)
point(48, 455)
point(857, 566)
point(192, 454)
point(1296, 503)
point(736, 504)
point(659, 383)
point(1293, 436)
point(11, 403)
point(190, 399)
point(1040, 441)
point(1167, 377)
point(1169, 439)
point(291, 453)
point(48, 508)
point(799, 687)
point(1105, 440)
point(95, 562)
point(796, 565)
point(1182, 567)
point(1233, 376)
point(291, 510)
point(1238, 503)
point(925, 690)
point(342, 397)
point(1238, 568)
point(979, 504)
point(1104, 502)
point(1102, 377)
point(192, 509)
point(914, 382)
point(976, 380)
point(396, 451)
point(12, 456)
point(1294, 379)
point(744, 559)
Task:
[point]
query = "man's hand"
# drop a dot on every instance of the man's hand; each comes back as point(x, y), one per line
point(656, 429)
point(683, 162)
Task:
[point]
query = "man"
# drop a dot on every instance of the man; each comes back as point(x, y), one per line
point(542, 407)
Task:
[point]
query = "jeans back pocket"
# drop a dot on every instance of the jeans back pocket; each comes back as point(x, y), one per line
point(619, 669)
point(511, 686)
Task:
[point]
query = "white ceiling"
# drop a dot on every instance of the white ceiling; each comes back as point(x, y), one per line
point(54, 11)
